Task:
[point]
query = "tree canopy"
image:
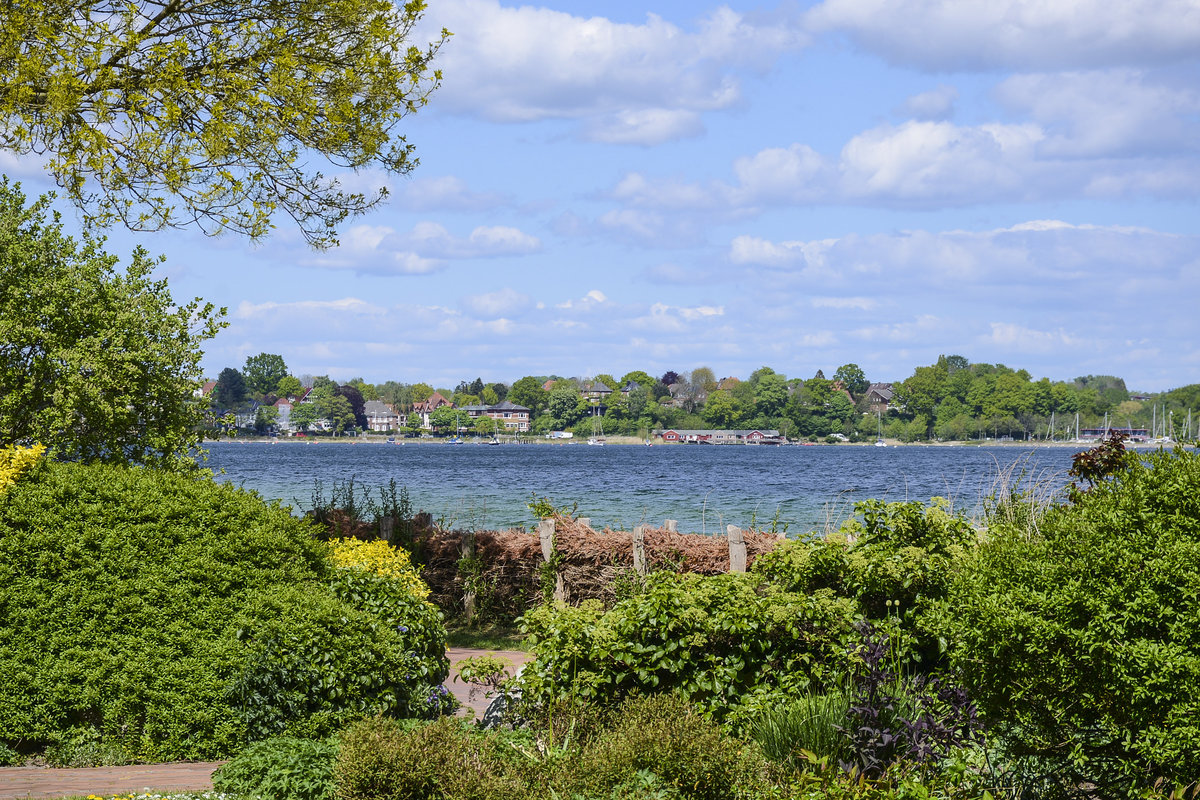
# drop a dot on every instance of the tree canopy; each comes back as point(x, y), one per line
point(170, 113)
point(263, 373)
point(95, 364)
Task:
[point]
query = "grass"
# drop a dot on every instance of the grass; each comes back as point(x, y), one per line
point(487, 637)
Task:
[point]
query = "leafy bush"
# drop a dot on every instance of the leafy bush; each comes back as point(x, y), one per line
point(281, 768)
point(717, 640)
point(122, 592)
point(663, 736)
point(382, 759)
point(1080, 637)
point(16, 460)
point(378, 558)
point(893, 560)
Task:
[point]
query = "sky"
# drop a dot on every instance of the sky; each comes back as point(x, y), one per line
point(611, 186)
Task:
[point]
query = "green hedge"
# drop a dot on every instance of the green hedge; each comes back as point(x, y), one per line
point(179, 618)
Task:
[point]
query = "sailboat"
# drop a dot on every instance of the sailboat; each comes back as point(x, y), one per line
point(879, 442)
point(597, 437)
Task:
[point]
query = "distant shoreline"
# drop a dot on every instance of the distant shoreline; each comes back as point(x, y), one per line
point(633, 441)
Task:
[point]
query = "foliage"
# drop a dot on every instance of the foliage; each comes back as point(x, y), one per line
point(665, 737)
point(381, 759)
point(650, 747)
point(263, 373)
point(280, 768)
point(792, 733)
point(96, 364)
point(1080, 637)
point(230, 389)
point(378, 558)
point(16, 460)
point(892, 559)
point(122, 596)
point(158, 115)
point(894, 721)
point(1098, 463)
point(717, 640)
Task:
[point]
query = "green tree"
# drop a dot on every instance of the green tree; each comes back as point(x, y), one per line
point(528, 392)
point(289, 386)
point(853, 378)
point(263, 373)
point(565, 404)
point(166, 114)
point(97, 364)
point(230, 389)
point(770, 394)
point(637, 376)
point(304, 416)
point(264, 418)
point(421, 392)
point(721, 409)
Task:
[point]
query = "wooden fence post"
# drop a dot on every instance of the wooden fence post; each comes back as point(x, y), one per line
point(639, 549)
point(468, 552)
point(672, 526)
point(546, 534)
point(737, 549)
point(584, 521)
point(387, 525)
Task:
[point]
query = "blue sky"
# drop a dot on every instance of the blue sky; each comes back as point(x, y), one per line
point(614, 186)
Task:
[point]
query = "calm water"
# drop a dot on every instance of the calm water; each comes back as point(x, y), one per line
point(704, 488)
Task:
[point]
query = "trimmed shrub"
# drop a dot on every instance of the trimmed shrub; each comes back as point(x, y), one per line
point(281, 768)
point(141, 605)
point(1079, 637)
point(716, 640)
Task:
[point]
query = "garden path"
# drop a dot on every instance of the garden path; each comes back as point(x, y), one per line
point(21, 783)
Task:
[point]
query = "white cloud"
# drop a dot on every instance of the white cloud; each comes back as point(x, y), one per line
point(648, 126)
point(935, 104)
point(381, 249)
point(846, 303)
point(939, 163)
point(1118, 112)
point(634, 83)
point(588, 302)
point(1021, 34)
point(343, 306)
point(506, 302)
point(446, 193)
point(1020, 339)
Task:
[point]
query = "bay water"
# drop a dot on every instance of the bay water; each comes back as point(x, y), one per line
point(704, 488)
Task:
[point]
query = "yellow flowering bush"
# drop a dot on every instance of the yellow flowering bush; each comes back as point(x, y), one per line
point(378, 558)
point(15, 460)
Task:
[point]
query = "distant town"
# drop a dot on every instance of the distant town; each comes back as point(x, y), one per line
point(952, 399)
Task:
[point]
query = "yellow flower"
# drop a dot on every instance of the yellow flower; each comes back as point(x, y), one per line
point(380, 558)
point(15, 460)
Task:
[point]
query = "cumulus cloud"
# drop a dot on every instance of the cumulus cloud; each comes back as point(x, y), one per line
point(446, 193)
point(938, 162)
point(1110, 113)
point(1020, 34)
point(637, 84)
point(1020, 339)
point(506, 302)
point(935, 104)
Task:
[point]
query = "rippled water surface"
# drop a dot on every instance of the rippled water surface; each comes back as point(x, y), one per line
point(703, 487)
